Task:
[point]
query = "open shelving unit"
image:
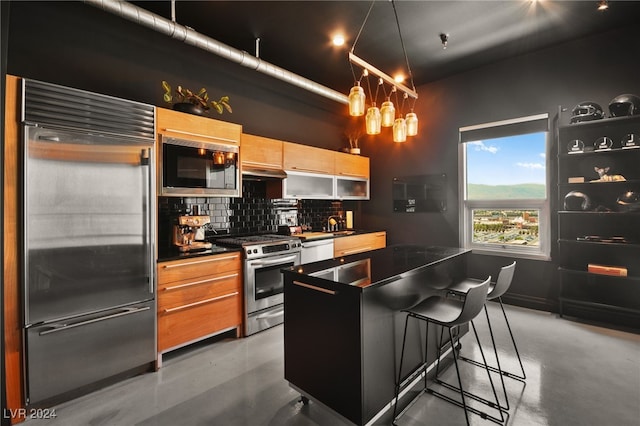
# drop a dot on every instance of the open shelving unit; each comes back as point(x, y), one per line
point(605, 231)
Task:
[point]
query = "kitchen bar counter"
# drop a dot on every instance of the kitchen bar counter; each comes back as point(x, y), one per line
point(343, 324)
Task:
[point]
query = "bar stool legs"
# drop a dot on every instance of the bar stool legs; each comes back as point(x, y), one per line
point(495, 405)
point(520, 377)
point(450, 314)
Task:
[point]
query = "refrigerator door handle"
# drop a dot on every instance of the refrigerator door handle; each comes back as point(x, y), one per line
point(61, 327)
point(145, 157)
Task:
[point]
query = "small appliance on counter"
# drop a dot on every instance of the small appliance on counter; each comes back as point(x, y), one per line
point(186, 233)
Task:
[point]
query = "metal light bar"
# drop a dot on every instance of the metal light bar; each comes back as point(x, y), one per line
point(375, 71)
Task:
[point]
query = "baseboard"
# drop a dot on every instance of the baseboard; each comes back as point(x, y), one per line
point(531, 302)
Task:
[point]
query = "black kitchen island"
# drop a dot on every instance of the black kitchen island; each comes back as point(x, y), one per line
point(343, 326)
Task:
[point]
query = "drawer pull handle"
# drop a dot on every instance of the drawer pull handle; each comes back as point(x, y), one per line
point(200, 135)
point(201, 302)
point(217, 259)
point(62, 327)
point(173, 287)
point(357, 250)
point(316, 288)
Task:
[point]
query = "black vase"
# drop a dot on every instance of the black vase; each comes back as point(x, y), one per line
point(189, 108)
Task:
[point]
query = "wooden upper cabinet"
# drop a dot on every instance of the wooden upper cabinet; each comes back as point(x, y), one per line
point(193, 127)
point(303, 158)
point(261, 152)
point(351, 165)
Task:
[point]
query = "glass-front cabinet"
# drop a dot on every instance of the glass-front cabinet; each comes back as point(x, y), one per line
point(352, 188)
point(308, 185)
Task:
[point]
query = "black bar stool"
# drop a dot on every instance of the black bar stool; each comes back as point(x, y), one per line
point(449, 313)
point(502, 284)
point(505, 277)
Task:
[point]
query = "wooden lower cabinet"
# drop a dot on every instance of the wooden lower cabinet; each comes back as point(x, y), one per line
point(198, 298)
point(352, 244)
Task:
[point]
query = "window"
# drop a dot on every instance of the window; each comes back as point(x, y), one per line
point(504, 187)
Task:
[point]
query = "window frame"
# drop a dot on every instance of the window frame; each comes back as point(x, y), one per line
point(543, 250)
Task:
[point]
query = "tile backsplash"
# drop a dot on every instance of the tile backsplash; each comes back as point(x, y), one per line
point(253, 213)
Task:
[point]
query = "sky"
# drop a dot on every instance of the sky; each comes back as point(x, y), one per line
point(507, 161)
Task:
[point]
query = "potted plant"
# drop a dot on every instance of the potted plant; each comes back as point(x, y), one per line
point(353, 132)
point(185, 100)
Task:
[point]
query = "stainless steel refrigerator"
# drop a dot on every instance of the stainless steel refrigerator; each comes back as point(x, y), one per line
point(89, 305)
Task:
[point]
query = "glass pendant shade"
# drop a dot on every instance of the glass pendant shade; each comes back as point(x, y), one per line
point(412, 124)
point(356, 100)
point(373, 120)
point(388, 113)
point(399, 130)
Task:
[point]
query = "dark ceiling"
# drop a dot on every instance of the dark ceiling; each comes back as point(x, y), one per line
point(295, 35)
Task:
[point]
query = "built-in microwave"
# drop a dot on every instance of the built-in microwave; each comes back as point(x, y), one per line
point(191, 169)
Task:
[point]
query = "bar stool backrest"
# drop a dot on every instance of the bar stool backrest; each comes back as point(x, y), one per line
point(473, 302)
point(505, 276)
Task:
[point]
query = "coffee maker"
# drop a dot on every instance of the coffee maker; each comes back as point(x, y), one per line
point(185, 233)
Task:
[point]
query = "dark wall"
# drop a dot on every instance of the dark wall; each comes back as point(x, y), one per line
point(74, 44)
point(77, 45)
point(596, 68)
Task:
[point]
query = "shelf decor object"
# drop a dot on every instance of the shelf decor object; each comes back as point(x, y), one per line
point(184, 100)
point(616, 271)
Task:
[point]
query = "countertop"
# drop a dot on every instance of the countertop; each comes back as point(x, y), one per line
point(313, 236)
point(378, 267)
point(172, 253)
point(175, 254)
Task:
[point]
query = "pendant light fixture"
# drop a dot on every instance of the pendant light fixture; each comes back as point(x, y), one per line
point(356, 100)
point(399, 130)
point(388, 112)
point(373, 119)
point(412, 123)
point(385, 116)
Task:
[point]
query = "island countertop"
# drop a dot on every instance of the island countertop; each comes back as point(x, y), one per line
point(343, 325)
point(378, 267)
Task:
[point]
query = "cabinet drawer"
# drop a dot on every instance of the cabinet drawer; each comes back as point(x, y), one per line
point(344, 246)
point(180, 270)
point(184, 293)
point(193, 127)
point(195, 322)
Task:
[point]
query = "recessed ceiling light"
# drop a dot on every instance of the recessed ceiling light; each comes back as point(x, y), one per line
point(338, 40)
point(399, 78)
point(603, 5)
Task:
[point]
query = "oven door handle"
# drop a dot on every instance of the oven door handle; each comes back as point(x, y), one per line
point(273, 261)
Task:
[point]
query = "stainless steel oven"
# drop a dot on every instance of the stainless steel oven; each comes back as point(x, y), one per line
point(264, 257)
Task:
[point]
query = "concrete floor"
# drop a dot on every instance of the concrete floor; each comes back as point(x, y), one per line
point(577, 374)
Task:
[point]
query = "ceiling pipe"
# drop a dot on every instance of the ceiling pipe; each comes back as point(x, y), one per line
point(190, 36)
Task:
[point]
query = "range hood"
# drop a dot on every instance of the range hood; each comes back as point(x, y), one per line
point(258, 173)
